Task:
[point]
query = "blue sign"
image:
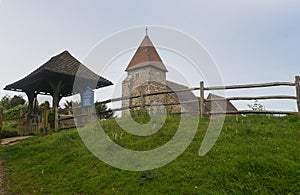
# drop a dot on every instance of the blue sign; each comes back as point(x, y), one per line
point(87, 97)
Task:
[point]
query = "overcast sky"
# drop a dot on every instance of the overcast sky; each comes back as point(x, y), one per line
point(250, 41)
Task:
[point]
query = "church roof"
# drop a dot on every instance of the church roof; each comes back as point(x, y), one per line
point(184, 96)
point(62, 67)
point(218, 106)
point(146, 55)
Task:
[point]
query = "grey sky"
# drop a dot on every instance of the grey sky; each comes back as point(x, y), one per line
point(251, 41)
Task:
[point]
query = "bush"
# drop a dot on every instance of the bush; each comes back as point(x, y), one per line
point(7, 102)
point(15, 113)
point(102, 111)
point(7, 134)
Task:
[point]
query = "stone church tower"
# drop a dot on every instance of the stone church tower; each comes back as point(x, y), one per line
point(146, 73)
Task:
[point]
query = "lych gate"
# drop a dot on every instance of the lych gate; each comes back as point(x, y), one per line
point(56, 78)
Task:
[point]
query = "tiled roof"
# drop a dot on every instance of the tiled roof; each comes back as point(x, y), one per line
point(146, 55)
point(65, 63)
point(62, 67)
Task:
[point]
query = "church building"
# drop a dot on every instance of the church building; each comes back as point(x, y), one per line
point(146, 74)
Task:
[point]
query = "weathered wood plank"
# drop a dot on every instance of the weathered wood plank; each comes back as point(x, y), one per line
point(254, 112)
point(273, 84)
point(201, 99)
point(253, 98)
point(297, 84)
point(146, 95)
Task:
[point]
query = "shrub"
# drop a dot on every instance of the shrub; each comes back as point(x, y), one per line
point(7, 134)
point(15, 113)
point(7, 102)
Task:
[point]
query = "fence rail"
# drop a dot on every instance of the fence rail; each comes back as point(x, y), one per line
point(254, 98)
point(255, 112)
point(202, 99)
point(273, 84)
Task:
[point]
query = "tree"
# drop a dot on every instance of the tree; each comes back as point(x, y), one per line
point(68, 105)
point(7, 102)
point(102, 111)
point(17, 100)
point(67, 109)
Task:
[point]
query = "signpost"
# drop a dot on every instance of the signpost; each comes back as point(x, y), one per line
point(87, 103)
point(87, 97)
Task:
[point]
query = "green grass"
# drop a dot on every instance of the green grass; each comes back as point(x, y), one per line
point(253, 155)
point(10, 125)
point(9, 129)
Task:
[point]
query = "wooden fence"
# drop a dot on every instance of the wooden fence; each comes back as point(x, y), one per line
point(1, 118)
point(82, 115)
point(202, 100)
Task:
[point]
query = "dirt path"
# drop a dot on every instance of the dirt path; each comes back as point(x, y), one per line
point(1, 179)
point(13, 140)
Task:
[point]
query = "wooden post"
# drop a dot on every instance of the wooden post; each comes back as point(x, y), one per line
point(56, 87)
point(46, 114)
point(1, 118)
point(142, 103)
point(297, 84)
point(55, 108)
point(31, 96)
point(201, 99)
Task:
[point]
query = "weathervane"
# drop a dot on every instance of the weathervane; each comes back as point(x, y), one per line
point(146, 30)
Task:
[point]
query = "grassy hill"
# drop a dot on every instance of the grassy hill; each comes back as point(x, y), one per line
point(253, 155)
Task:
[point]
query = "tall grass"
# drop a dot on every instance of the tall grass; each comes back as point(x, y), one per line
point(253, 155)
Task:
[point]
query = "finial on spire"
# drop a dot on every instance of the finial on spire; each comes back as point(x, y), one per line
point(146, 30)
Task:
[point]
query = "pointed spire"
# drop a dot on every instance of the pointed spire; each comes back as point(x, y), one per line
point(146, 55)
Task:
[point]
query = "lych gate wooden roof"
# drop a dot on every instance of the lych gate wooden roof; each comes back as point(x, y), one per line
point(146, 55)
point(62, 67)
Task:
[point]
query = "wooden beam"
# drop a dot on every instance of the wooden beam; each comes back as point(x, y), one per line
point(273, 84)
point(145, 95)
point(31, 96)
point(143, 111)
point(45, 117)
point(252, 98)
point(254, 112)
point(297, 84)
point(148, 105)
point(201, 99)
point(56, 87)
